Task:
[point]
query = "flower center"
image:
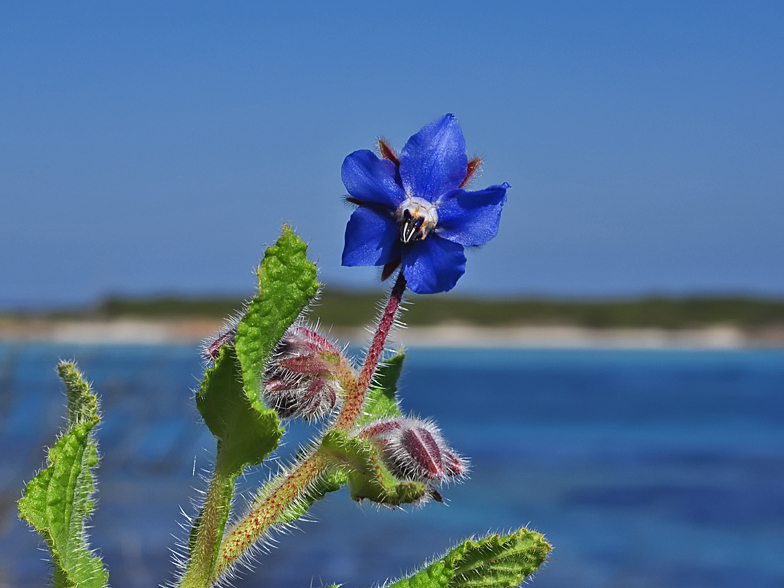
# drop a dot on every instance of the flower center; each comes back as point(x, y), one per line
point(416, 217)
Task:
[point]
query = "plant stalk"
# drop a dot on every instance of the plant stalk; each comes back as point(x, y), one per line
point(259, 520)
point(208, 529)
point(291, 486)
point(355, 397)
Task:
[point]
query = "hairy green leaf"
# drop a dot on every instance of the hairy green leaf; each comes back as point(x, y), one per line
point(245, 434)
point(287, 283)
point(58, 500)
point(492, 562)
point(230, 398)
point(245, 437)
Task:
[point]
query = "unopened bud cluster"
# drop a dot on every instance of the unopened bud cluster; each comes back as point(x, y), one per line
point(413, 449)
point(302, 379)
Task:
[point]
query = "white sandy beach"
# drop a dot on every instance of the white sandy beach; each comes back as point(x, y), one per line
point(128, 331)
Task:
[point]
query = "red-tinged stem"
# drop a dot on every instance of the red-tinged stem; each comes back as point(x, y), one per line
point(352, 403)
point(265, 513)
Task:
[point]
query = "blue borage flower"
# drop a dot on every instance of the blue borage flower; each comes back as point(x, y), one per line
point(413, 211)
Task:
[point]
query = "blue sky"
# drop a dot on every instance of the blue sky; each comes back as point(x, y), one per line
point(151, 148)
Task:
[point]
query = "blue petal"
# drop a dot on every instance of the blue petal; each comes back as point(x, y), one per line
point(434, 161)
point(372, 180)
point(471, 218)
point(433, 265)
point(371, 237)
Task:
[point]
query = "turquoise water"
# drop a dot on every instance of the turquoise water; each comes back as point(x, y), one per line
point(644, 468)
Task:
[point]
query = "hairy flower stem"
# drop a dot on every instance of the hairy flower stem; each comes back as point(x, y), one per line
point(355, 394)
point(258, 521)
point(208, 530)
point(289, 487)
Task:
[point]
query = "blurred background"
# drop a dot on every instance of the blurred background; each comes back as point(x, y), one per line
point(152, 148)
point(620, 373)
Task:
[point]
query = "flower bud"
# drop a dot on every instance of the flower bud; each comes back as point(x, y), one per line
point(414, 449)
point(210, 349)
point(301, 380)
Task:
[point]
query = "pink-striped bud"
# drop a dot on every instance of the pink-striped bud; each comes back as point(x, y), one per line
point(414, 449)
point(210, 349)
point(301, 380)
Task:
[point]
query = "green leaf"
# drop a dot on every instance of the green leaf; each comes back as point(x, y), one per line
point(287, 284)
point(368, 477)
point(245, 437)
point(492, 562)
point(58, 500)
point(230, 398)
point(245, 434)
point(381, 400)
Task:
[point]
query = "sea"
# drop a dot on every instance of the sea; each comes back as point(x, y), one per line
point(643, 468)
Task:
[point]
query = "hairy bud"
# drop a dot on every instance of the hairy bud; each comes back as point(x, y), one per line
point(301, 380)
point(414, 449)
point(210, 349)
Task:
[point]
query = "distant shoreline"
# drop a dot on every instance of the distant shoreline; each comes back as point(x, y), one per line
point(192, 331)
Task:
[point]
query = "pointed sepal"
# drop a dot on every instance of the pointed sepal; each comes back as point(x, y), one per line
point(368, 477)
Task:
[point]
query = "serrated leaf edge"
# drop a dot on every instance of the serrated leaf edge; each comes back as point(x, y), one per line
point(79, 426)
